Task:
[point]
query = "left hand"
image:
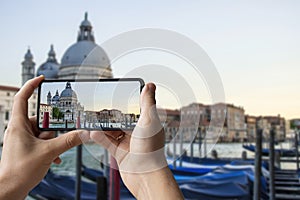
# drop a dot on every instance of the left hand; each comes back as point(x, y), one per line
point(27, 153)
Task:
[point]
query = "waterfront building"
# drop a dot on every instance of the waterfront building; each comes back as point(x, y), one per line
point(234, 121)
point(187, 122)
point(251, 128)
point(49, 68)
point(170, 120)
point(83, 60)
point(109, 118)
point(168, 115)
point(45, 108)
point(195, 119)
point(275, 122)
point(28, 67)
point(196, 112)
point(295, 124)
point(7, 94)
point(89, 118)
point(67, 103)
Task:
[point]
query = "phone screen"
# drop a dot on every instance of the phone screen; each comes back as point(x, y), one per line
point(104, 104)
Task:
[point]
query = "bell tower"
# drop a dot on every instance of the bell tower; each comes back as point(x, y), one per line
point(28, 67)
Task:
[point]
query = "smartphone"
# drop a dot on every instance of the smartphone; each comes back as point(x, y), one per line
point(102, 104)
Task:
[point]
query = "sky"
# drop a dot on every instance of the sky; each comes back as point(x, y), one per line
point(96, 96)
point(254, 45)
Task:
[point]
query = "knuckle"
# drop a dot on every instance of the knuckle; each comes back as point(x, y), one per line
point(71, 140)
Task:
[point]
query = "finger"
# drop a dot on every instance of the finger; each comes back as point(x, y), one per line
point(20, 106)
point(148, 96)
point(57, 160)
point(106, 141)
point(46, 135)
point(149, 116)
point(68, 140)
point(33, 123)
point(116, 135)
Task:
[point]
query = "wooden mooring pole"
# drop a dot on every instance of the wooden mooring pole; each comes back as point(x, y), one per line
point(271, 165)
point(78, 165)
point(258, 153)
point(174, 147)
point(297, 150)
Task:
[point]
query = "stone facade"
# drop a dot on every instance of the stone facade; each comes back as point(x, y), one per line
point(7, 94)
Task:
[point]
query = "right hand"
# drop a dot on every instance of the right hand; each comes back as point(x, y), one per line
point(140, 154)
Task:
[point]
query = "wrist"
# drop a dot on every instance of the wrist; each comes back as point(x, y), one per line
point(159, 184)
point(11, 187)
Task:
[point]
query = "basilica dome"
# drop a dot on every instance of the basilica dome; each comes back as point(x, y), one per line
point(85, 59)
point(68, 92)
point(50, 68)
point(28, 55)
point(85, 53)
point(55, 97)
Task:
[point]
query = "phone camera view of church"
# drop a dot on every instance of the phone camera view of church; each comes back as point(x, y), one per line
point(63, 107)
point(64, 110)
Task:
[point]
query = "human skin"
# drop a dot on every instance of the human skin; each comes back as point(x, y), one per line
point(28, 153)
point(140, 154)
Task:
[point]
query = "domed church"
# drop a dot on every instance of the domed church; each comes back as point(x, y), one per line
point(50, 68)
point(82, 60)
point(66, 102)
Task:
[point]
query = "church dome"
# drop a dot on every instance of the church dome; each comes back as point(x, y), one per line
point(51, 67)
point(85, 59)
point(56, 96)
point(85, 53)
point(68, 92)
point(28, 55)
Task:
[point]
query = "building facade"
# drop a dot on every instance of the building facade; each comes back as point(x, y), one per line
point(234, 128)
point(251, 124)
point(45, 108)
point(28, 67)
point(273, 122)
point(83, 60)
point(67, 103)
point(7, 94)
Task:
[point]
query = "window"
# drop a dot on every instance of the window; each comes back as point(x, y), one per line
point(8, 94)
point(7, 115)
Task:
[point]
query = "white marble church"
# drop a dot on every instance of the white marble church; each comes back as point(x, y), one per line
point(83, 59)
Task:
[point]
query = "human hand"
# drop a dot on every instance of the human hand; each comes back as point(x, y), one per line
point(140, 154)
point(27, 153)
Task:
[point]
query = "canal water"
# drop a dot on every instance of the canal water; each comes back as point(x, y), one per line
point(93, 154)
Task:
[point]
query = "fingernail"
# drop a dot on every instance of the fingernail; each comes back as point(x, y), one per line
point(151, 87)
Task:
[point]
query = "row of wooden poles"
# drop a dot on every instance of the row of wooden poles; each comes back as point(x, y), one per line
point(113, 174)
point(258, 163)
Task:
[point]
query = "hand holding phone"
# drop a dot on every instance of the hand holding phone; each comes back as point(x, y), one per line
point(104, 104)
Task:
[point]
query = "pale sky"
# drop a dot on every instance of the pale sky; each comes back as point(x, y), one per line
point(96, 96)
point(254, 45)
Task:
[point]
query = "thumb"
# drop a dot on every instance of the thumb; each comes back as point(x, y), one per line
point(149, 123)
point(148, 96)
point(148, 105)
point(69, 140)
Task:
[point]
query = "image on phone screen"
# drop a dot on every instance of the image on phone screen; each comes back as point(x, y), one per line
point(104, 104)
